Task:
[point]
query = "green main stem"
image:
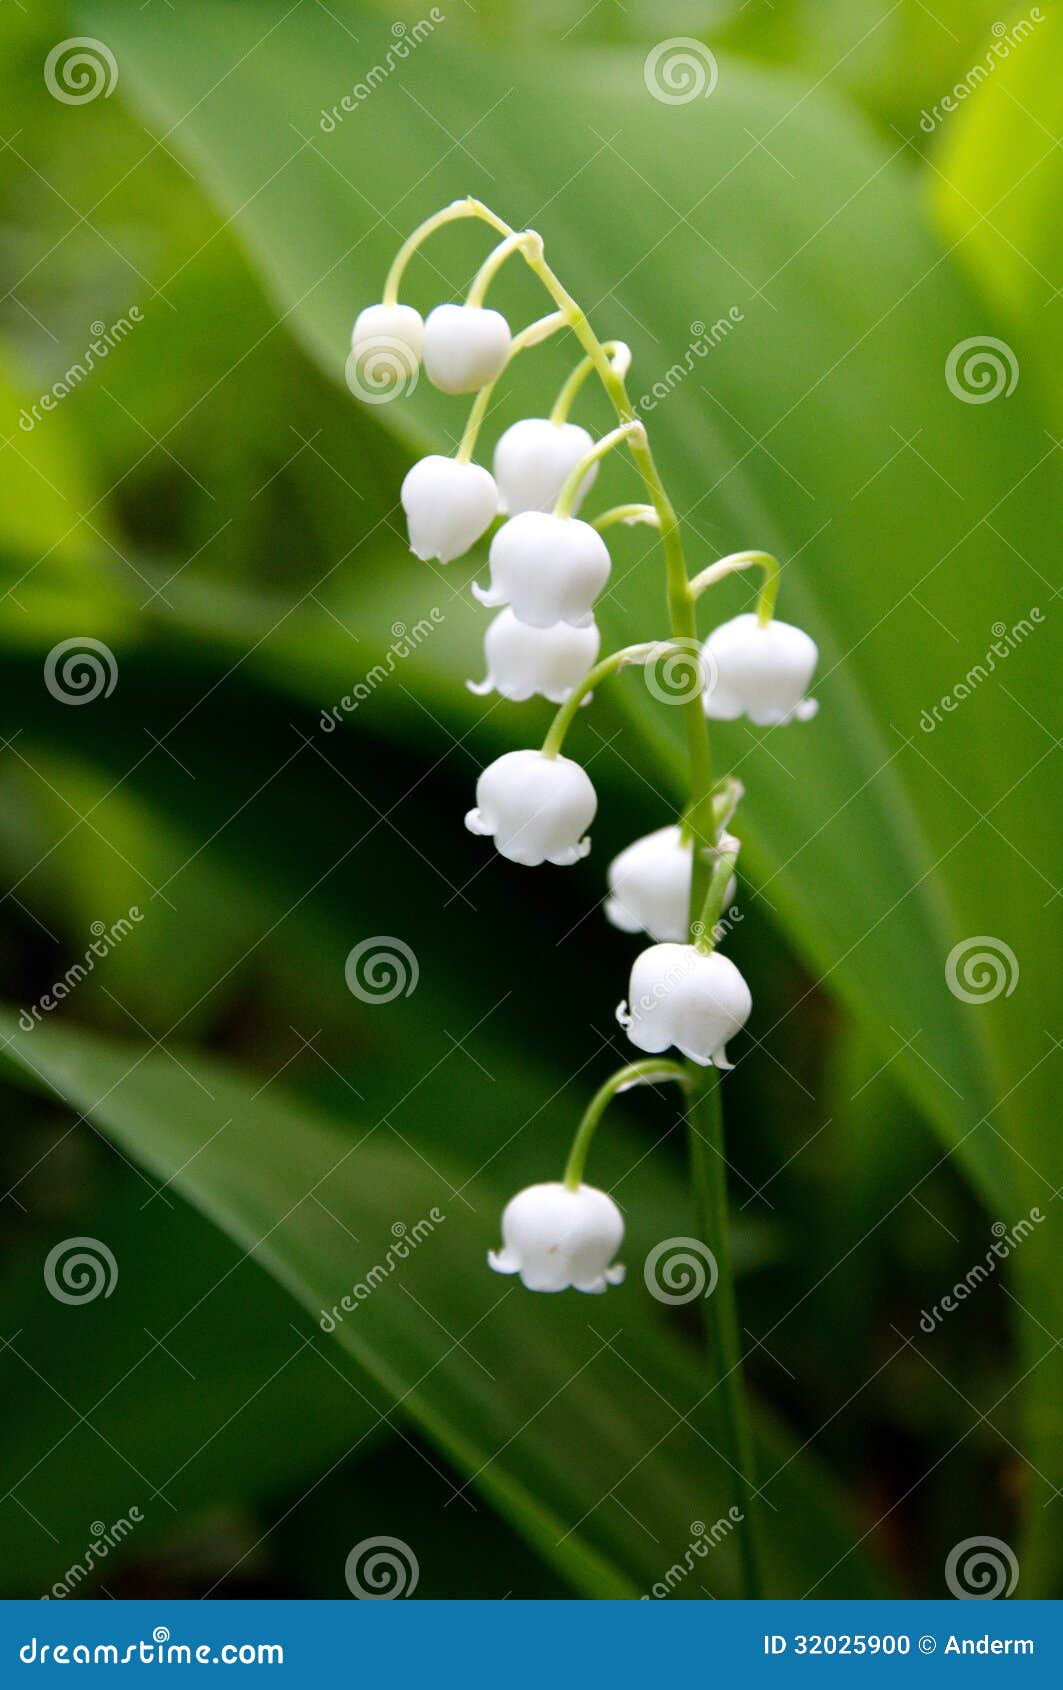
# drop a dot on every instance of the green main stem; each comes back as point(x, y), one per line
point(704, 1114)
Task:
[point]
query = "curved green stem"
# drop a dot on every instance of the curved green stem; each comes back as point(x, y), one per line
point(635, 1073)
point(629, 514)
point(533, 335)
point(620, 356)
point(453, 213)
point(566, 715)
point(527, 242)
point(574, 480)
point(712, 908)
point(730, 566)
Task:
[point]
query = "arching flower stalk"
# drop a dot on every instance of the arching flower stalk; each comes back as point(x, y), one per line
point(548, 566)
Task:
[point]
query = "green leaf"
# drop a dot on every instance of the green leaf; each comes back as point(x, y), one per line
point(583, 1422)
point(995, 178)
point(910, 523)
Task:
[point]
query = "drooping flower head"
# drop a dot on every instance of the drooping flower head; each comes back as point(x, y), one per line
point(386, 341)
point(448, 506)
point(759, 671)
point(548, 568)
point(536, 808)
point(465, 347)
point(556, 1238)
point(523, 661)
point(649, 884)
point(533, 460)
point(682, 997)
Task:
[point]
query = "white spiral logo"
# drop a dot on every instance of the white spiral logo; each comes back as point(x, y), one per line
point(678, 1270)
point(676, 672)
point(979, 969)
point(80, 670)
point(981, 369)
point(381, 1568)
point(382, 369)
point(980, 1569)
point(79, 1270)
point(80, 69)
point(679, 70)
point(380, 969)
point(161, 1634)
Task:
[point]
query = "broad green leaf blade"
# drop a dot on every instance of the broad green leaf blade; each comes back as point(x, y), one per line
point(995, 179)
point(581, 1420)
point(142, 1401)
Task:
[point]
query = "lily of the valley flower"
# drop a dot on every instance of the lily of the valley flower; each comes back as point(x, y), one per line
point(388, 339)
point(448, 506)
point(465, 347)
point(523, 661)
point(556, 1238)
point(533, 460)
point(549, 568)
point(536, 808)
point(649, 885)
point(682, 997)
point(759, 671)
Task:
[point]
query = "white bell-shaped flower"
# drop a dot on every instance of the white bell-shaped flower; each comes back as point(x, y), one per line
point(556, 1238)
point(678, 996)
point(523, 661)
point(448, 506)
point(465, 347)
point(536, 808)
point(548, 568)
point(649, 885)
point(387, 340)
point(533, 460)
point(759, 672)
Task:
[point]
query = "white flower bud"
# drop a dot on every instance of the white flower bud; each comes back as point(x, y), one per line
point(536, 808)
point(549, 568)
point(465, 347)
point(448, 506)
point(759, 672)
point(386, 341)
point(556, 1238)
point(649, 885)
point(680, 997)
point(533, 460)
point(523, 661)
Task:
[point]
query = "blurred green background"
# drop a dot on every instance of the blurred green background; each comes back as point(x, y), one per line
point(208, 500)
